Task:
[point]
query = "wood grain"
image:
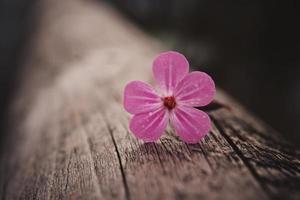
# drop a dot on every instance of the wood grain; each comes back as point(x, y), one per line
point(68, 132)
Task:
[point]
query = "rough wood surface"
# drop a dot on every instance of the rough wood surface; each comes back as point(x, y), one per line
point(68, 135)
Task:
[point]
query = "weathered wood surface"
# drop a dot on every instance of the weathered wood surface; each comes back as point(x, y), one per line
point(68, 135)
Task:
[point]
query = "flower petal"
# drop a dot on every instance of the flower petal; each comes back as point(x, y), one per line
point(169, 68)
point(196, 89)
point(190, 124)
point(140, 97)
point(149, 126)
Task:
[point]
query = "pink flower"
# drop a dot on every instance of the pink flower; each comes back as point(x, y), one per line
point(176, 94)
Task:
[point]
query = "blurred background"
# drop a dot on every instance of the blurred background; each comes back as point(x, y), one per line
point(250, 47)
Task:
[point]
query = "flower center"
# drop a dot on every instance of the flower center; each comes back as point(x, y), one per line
point(169, 102)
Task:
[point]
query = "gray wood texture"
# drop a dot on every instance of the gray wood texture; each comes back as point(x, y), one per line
point(68, 131)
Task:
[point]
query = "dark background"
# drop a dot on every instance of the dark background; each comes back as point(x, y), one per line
point(250, 47)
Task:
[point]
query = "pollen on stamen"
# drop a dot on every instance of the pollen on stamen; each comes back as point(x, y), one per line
point(169, 102)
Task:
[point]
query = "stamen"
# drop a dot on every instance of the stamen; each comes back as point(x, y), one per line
point(169, 102)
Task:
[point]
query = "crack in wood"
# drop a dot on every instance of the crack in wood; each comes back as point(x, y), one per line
point(127, 193)
point(68, 173)
point(159, 158)
point(205, 156)
point(242, 157)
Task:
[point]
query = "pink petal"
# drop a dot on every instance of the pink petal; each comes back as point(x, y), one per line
point(149, 126)
point(196, 89)
point(140, 97)
point(190, 124)
point(169, 68)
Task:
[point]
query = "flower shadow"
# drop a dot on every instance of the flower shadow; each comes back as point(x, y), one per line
point(169, 149)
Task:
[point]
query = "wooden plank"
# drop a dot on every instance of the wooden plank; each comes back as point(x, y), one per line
point(68, 131)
